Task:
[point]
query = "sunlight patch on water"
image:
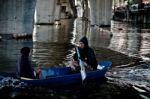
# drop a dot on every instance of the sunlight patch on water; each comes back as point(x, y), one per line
point(130, 40)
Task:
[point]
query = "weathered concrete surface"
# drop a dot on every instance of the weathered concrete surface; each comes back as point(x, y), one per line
point(16, 16)
point(44, 12)
point(19, 16)
point(49, 11)
point(100, 12)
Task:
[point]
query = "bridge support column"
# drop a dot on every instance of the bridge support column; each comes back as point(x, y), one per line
point(45, 12)
point(100, 12)
point(57, 12)
point(16, 16)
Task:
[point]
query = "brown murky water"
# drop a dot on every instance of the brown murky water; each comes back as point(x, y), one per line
point(53, 47)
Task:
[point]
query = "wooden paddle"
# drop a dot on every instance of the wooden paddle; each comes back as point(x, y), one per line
point(82, 70)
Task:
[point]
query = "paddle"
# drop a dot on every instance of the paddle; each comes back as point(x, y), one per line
point(82, 70)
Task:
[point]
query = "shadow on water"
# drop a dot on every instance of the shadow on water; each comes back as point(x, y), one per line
point(52, 46)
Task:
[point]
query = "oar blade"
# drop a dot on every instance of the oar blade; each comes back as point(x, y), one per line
point(82, 71)
point(83, 74)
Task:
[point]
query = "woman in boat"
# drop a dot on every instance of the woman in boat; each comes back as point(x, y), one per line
point(24, 66)
point(87, 55)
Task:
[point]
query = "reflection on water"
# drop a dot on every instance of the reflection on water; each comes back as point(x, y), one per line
point(97, 37)
point(50, 54)
point(53, 33)
point(52, 44)
point(9, 53)
point(130, 40)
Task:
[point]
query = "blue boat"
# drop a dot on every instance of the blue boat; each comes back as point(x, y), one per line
point(63, 77)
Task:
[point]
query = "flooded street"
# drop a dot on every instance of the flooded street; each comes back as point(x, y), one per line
point(124, 44)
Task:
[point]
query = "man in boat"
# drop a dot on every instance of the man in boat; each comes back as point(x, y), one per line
point(87, 55)
point(24, 66)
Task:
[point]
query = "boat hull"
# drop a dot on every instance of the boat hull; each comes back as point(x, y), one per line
point(61, 79)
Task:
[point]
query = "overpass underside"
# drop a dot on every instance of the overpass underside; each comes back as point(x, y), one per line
point(20, 16)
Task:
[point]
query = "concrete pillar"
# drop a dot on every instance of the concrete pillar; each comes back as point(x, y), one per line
point(97, 14)
point(102, 21)
point(57, 12)
point(99, 4)
point(45, 11)
point(100, 12)
point(108, 12)
point(16, 16)
point(79, 8)
point(73, 8)
point(86, 9)
point(92, 11)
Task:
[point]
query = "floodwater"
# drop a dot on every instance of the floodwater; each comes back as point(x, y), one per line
point(52, 46)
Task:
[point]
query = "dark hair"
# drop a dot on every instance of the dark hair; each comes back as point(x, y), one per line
point(25, 51)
